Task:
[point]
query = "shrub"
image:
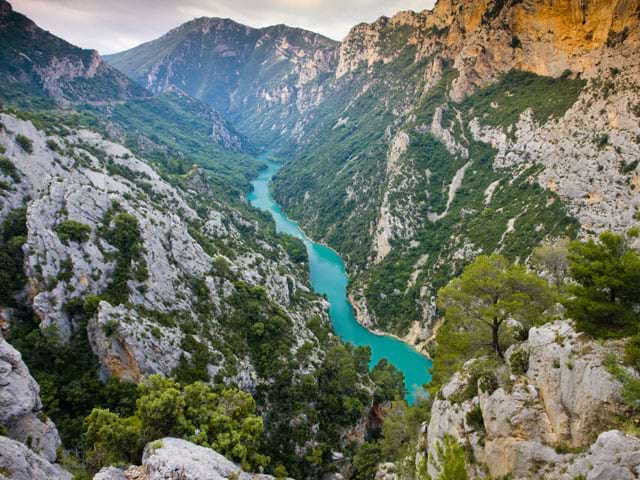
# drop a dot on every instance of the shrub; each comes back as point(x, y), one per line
point(519, 362)
point(222, 419)
point(449, 459)
point(475, 419)
point(25, 143)
point(9, 169)
point(74, 231)
point(605, 299)
point(53, 145)
point(632, 352)
point(13, 235)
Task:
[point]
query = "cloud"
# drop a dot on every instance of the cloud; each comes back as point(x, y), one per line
point(120, 24)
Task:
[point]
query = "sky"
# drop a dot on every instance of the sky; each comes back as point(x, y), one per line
point(114, 25)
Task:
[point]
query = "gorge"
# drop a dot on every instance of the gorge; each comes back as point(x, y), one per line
point(467, 177)
point(329, 278)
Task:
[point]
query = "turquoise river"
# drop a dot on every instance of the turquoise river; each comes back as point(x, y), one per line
point(329, 277)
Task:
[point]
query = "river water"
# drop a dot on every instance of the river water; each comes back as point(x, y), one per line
point(329, 277)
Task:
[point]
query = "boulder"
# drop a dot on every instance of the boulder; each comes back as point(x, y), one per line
point(21, 408)
point(17, 462)
point(175, 459)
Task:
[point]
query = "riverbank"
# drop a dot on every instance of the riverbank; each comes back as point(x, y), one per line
point(329, 277)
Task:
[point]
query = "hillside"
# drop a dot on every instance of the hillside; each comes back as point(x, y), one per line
point(127, 251)
point(262, 80)
point(476, 165)
point(402, 147)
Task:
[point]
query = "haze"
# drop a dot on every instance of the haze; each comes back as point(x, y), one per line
point(117, 25)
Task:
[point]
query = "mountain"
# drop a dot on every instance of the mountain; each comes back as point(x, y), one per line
point(262, 80)
point(50, 73)
point(127, 250)
point(36, 60)
point(427, 138)
point(450, 156)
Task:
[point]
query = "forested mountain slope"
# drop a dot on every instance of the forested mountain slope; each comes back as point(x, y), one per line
point(263, 80)
point(127, 251)
point(427, 138)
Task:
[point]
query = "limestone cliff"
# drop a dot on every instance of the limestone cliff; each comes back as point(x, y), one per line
point(552, 414)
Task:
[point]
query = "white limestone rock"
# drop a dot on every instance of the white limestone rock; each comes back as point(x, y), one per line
point(17, 462)
point(21, 408)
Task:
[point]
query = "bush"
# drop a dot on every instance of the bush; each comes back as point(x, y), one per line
point(475, 419)
point(74, 231)
point(222, 419)
point(9, 169)
point(519, 362)
point(632, 352)
point(605, 299)
point(449, 459)
point(13, 235)
point(25, 143)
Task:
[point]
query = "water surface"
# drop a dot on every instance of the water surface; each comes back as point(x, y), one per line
point(328, 276)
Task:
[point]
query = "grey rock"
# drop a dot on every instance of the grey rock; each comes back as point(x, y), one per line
point(20, 405)
point(17, 462)
point(174, 459)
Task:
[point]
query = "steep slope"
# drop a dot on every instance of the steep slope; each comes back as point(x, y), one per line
point(427, 138)
point(473, 159)
point(551, 412)
point(127, 249)
point(37, 61)
point(263, 80)
point(42, 72)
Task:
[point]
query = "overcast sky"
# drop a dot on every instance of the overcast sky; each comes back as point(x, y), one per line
point(113, 25)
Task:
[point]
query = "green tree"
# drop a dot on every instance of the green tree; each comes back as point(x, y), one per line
point(389, 382)
point(366, 461)
point(13, 235)
point(605, 301)
point(223, 419)
point(489, 292)
point(449, 459)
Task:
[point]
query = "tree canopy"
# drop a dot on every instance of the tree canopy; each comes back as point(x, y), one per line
point(605, 300)
point(491, 292)
point(223, 419)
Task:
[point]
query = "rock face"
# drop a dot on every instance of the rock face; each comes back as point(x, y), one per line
point(566, 399)
point(20, 406)
point(147, 334)
point(17, 462)
point(174, 459)
point(66, 73)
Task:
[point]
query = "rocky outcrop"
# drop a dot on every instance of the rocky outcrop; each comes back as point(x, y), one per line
point(17, 462)
point(94, 179)
point(20, 406)
point(175, 459)
point(67, 74)
point(566, 401)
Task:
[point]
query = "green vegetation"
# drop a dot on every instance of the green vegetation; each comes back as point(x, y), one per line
point(449, 458)
point(177, 132)
point(121, 230)
point(8, 169)
point(25, 143)
point(397, 441)
point(13, 235)
point(68, 375)
point(220, 418)
point(605, 301)
point(73, 230)
point(502, 103)
point(487, 294)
